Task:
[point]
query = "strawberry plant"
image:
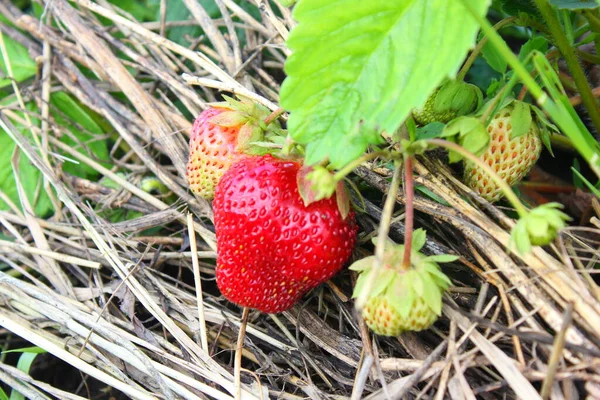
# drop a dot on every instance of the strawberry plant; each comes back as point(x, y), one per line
point(265, 199)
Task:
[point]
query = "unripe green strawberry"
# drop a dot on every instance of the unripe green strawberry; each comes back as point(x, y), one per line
point(449, 101)
point(383, 319)
point(401, 298)
point(514, 148)
point(221, 135)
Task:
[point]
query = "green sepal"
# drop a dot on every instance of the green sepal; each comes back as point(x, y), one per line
point(384, 279)
point(538, 228)
point(364, 264)
point(435, 272)
point(545, 127)
point(401, 297)
point(519, 239)
point(470, 133)
point(520, 119)
point(432, 295)
point(413, 279)
point(362, 280)
point(443, 258)
point(229, 119)
point(419, 238)
point(459, 98)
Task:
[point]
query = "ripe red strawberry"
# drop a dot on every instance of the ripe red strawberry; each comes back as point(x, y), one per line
point(272, 248)
point(221, 135)
point(514, 148)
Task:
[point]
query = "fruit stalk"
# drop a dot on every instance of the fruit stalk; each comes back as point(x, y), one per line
point(475, 53)
point(237, 367)
point(562, 42)
point(409, 211)
point(382, 235)
point(510, 195)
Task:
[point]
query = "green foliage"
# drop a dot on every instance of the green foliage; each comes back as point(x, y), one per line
point(24, 364)
point(23, 67)
point(574, 4)
point(30, 177)
point(70, 114)
point(538, 228)
point(347, 88)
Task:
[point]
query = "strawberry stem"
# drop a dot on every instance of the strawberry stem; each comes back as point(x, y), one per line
point(382, 235)
point(508, 192)
point(237, 366)
point(408, 211)
point(341, 174)
point(273, 116)
point(473, 56)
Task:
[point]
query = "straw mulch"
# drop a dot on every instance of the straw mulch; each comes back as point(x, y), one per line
point(140, 313)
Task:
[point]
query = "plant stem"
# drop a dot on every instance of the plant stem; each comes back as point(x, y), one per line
point(473, 56)
point(505, 51)
point(273, 116)
point(237, 364)
point(510, 195)
point(409, 211)
point(382, 236)
point(562, 42)
point(341, 174)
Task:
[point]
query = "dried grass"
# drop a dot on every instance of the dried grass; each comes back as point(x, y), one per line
point(141, 315)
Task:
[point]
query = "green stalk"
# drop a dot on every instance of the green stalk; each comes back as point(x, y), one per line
point(562, 42)
point(341, 174)
point(506, 189)
point(473, 56)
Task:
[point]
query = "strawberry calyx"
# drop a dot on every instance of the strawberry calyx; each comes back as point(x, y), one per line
point(403, 289)
point(259, 134)
point(317, 183)
point(538, 227)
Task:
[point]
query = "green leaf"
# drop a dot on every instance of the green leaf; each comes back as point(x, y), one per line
point(24, 364)
point(23, 67)
point(429, 193)
point(574, 4)
point(31, 177)
point(430, 131)
point(354, 73)
point(33, 349)
point(493, 57)
point(3, 395)
point(70, 114)
point(514, 7)
point(538, 43)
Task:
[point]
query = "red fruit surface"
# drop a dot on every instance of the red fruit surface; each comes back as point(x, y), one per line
point(212, 151)
point(271, 247)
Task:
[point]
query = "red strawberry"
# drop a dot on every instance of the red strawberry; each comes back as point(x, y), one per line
point(222, 135)
point(272, 248)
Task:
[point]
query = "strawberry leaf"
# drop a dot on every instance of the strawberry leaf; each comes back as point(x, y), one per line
point(353, 73)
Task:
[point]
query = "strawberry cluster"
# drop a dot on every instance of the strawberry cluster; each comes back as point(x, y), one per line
point(273, 246)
